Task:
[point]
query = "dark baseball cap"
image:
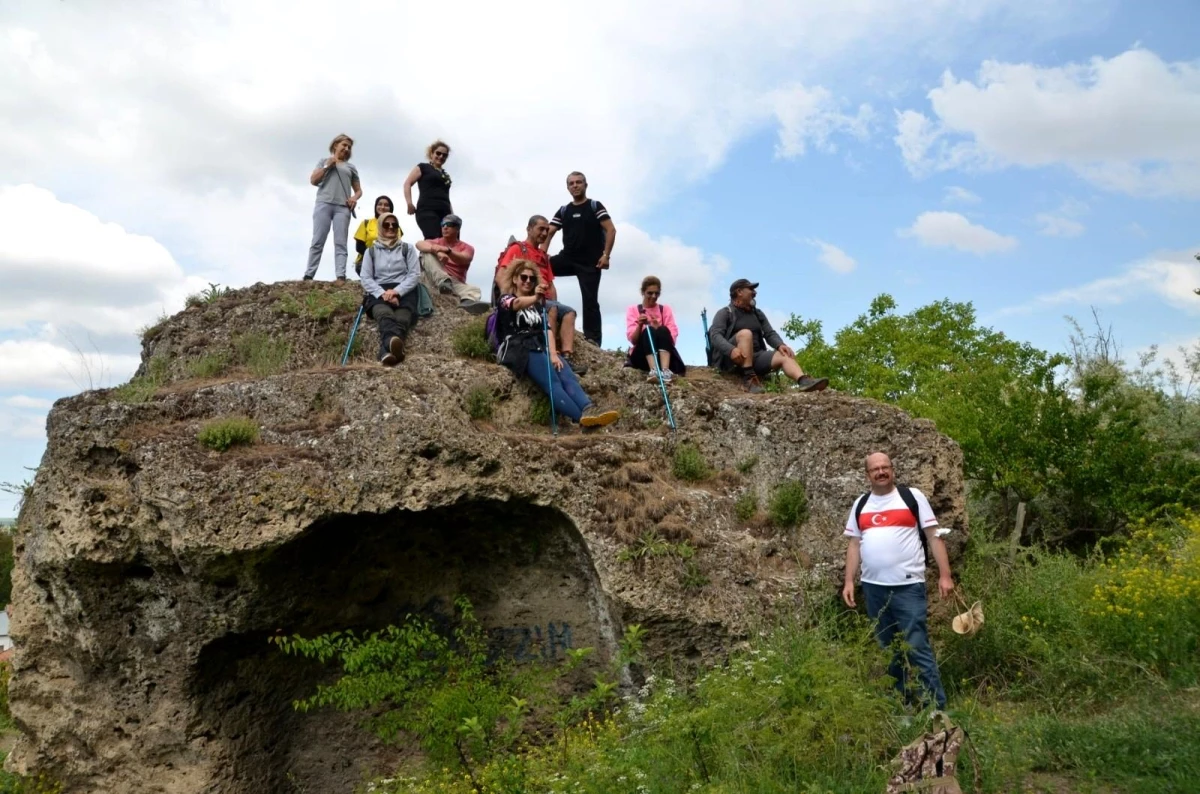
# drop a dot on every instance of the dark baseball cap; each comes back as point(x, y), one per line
point(452, 220)
point(739, 284)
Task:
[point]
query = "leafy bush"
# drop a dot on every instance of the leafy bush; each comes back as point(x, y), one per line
point(213, 293)
point(208, 366)
point(470, 340)
point(746, 507)
point(539, 410)
point(688, 464)
point(261, 354)
point(481, 402)
point(221, 434)
point(788, 505)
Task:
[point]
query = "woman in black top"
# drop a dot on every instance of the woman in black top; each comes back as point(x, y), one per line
point(434, 181)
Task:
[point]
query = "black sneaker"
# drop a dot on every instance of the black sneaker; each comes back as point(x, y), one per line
point(340, 278)
point(808, 383)
point(752, 384)
point(474, 307)
point(396, 347)
point(388, 360)
point(308, 278)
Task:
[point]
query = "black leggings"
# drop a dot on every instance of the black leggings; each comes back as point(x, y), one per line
point(429, 220)
point(662, 341)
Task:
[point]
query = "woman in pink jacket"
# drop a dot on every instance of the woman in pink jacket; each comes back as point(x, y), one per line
point(661, 322)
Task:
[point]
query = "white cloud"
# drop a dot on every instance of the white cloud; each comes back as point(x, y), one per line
point(26, 402)
point(1171, 276)
point(960, 195)
point(1126, 123)
point(1058, 226)
point(42, 364)
point(833, 257)
point(952, 230)
point(814, 116)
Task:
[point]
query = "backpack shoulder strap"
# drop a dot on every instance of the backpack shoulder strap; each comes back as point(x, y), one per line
point(910, 502)
point(859, 505)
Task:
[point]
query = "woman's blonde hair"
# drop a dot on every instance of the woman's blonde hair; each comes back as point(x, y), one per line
point(343, 137)
point(431, 147)
point(508, 276)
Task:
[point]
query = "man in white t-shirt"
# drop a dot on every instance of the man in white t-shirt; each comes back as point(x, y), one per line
point(883, 532)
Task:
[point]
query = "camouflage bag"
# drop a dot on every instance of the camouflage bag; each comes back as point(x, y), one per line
point(929, 763)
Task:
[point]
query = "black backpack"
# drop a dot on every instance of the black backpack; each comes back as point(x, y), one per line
point(910, 502)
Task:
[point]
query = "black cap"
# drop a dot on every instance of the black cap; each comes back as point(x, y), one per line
point(739, 284)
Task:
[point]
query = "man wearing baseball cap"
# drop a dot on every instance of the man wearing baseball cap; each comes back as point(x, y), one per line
point(444, 263)
point(742, 341)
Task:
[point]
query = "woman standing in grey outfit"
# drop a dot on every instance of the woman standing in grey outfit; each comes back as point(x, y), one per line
point(334, 179)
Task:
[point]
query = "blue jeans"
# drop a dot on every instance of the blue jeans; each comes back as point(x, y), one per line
point(568, 396)
point(901, 609)
point(326, 216)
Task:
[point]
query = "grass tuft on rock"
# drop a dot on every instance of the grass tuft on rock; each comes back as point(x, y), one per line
point(481, 402)
point(788, 506)
point(746, 507)
point(470, 340)
point(231, 431)
point(688, 464)
point(262, 354)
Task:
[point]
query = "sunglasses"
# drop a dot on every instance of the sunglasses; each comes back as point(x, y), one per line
point(526, 278)
point(391, 226)
point(441, 154)
point(652, 294)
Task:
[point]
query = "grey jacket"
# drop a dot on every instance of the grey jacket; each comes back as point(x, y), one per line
point(721, 333)
point(399, 265)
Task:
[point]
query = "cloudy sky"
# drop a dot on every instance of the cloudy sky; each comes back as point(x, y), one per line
point(1037, 159)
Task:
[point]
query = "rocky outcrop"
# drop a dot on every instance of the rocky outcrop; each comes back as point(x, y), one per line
point(152, 571)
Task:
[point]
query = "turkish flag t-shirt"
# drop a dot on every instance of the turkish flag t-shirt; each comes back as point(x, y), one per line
point(887, 529)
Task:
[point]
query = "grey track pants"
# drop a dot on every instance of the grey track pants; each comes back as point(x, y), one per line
point(325, 216)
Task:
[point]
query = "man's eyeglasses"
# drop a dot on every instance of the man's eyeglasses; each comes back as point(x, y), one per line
point(391, 226)
point(526, 278)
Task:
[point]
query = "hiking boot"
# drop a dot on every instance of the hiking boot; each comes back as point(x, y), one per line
point(308, 278)
point(388, 360)
point(474, 307)
point(446, 287)
point(667, 376)
point(396, 348)
point(594, 417)
point(652, 377)
point(340, 278)
point(752, 384)
point(808, 383)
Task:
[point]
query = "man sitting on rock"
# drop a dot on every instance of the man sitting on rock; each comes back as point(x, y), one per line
point(444, 264)
point(739, 339)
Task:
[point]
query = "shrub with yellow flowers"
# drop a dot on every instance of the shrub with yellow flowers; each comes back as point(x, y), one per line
point(1146, 597)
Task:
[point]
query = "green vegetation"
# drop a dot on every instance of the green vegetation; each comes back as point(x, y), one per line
point(788, 505)
point(746, 507)
point(319, 306)
point(39, 784)
point(746, 465)
point(6, 569)
point(142, 387)
point(470, 340)
point(481, 402)
point(688, 463)
point(539, 410)
point(209, 365)
point(262, 354)
point(651, 544)
point(213, 293)
point(221, 434)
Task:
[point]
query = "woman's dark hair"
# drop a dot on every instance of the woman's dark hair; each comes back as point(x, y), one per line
point(651, 281)
point(391, 205)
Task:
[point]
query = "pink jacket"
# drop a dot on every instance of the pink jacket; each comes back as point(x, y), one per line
point(659, 315)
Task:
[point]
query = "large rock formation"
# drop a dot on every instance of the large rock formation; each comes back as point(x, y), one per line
point(152, 571)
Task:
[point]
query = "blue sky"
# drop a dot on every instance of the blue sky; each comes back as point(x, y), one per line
point(1036, 161)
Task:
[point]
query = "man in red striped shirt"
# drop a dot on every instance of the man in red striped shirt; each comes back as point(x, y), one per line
point(884, 529)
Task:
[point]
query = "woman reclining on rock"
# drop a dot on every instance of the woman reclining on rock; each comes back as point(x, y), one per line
point(523, 345)
point(391, 270)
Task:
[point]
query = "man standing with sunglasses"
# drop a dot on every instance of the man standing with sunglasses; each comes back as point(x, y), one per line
point(588, 237)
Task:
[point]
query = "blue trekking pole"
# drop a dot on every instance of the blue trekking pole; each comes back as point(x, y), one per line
point(661, 384)
point(353, 331)
point(549, 374)
point(707, 343)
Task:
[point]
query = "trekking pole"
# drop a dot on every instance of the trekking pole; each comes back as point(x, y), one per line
point(353, 331)
point(707, 343)
point(549, 374)
point(661, 385)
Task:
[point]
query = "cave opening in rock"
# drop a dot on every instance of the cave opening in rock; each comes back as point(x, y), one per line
point(525, 568)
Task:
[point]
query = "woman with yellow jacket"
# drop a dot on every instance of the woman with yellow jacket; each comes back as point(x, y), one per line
point(368, 231)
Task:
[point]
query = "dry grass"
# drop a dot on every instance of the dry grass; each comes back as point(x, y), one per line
point(637, 501)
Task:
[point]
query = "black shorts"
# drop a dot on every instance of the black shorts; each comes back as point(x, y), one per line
point(762, 363)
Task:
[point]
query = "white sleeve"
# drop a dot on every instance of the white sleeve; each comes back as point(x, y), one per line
point(928, 519)
point(852, 530)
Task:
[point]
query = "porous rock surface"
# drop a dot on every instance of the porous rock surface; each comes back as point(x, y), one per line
point(152, 571)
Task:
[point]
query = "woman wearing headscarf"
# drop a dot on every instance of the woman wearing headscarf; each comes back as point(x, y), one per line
point(368, 230)
point(525, 346)
point(433, 204)
point(661, 322)
point(338, 190)
point(391, 270)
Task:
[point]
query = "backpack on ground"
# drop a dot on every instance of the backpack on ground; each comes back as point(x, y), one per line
point(930, 763)
point(910, 502)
